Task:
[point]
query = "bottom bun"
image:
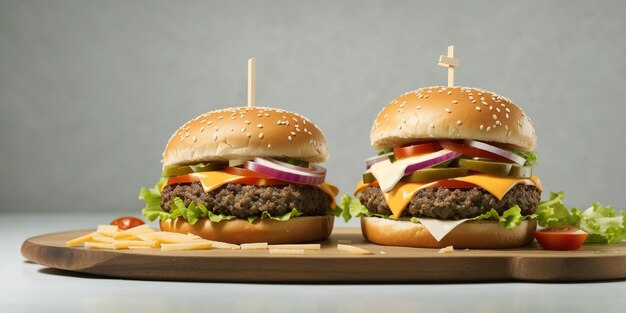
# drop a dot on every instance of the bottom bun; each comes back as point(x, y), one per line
point(471, 234)
point(295, 230)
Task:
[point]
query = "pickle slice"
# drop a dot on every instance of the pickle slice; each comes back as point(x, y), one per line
point(207, 167)
point(432, 174)
point(368, 177)
point(176, 170)
point(495, 168)
point(519, 171)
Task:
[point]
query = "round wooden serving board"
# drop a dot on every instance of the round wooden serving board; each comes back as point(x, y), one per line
point(329, 265)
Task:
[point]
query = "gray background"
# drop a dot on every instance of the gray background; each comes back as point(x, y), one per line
point(90, 91)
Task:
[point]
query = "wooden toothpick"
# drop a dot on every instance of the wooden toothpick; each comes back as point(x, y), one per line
point(251, 82)
point(450, 62)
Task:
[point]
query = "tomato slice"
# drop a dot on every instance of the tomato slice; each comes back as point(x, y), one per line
point(415, 150)
point(471, 151)
point(245, 172)
point(126, 222)
point(561, 238)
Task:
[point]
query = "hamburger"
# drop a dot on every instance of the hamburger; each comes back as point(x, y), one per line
point(454, 169)
point(245, 174)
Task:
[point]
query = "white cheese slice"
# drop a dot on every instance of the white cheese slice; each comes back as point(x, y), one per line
point(389, 174)
point(440, 228)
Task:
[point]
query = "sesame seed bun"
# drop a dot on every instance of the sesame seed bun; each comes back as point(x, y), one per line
point(471, 234)
point(238, 133)
point(452, 113)
point(295, 230)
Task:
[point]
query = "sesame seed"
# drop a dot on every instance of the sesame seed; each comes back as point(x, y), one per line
point(259, 115)
point(399, 110)
point(231, 129)
point(448, 110)
point(209, 123)
point(386, 115)
point(266, 114)
point(473, 101)
point(495, 117)
point(269, 145)
point(259, 125)
point(440, 91)
point(482, 127)
point(449, 92)
point(294, 119)
point(289, 137)
point(220, 117)
point(261, 135)
point(243, 130)
point(305, 130)
point(488, 128)
point(310, 133)
point(419, 107)
point(248, 135)
point(399, 127)
point(490, 108)
point(459, 122)
point(287, 123)
point(194, 138)
point(478, 108)
point(431, 125)
point(455, 102)
point(426, 96)
point(202, 121)
point(278, 122)
point(498, 123)
point(215, 137)
point(293, 134)
point(217, 128)
point(507, 115)
point(247, 122)
point(483, 102)
point(502, 104)
point(507, 109)
point(202, 129)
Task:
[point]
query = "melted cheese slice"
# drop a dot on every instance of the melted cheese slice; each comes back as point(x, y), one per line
point(213, 180)
point(403, 192)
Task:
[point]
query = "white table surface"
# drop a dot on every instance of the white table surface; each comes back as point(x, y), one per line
point(27, 287)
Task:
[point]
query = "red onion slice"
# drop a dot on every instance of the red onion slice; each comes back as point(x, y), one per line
point(315, 175)
point(377, 158)
point(495, 150)
point(389, 174)
point(429, 160)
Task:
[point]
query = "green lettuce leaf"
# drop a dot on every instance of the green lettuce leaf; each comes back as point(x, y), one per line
point(603, 223)
point(152, 197)
point(351, 207)
point(510, 218)
point(531, 156)
point(283, 217)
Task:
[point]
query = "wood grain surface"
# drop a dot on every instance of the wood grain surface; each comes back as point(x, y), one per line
point(329, 265)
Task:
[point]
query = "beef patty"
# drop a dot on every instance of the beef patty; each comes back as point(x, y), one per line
point(249, 200)
point(451, 203)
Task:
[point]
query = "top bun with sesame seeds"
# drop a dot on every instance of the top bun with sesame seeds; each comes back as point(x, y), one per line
point(245, 132)
point(452, 113)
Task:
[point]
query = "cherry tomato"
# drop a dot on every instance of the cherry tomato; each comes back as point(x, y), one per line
point(471, 151)
point(126, 222)
point(561, 238)
point(415, 150)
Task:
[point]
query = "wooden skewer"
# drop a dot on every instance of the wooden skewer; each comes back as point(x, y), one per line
point(251, 82)
point(450, 62)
